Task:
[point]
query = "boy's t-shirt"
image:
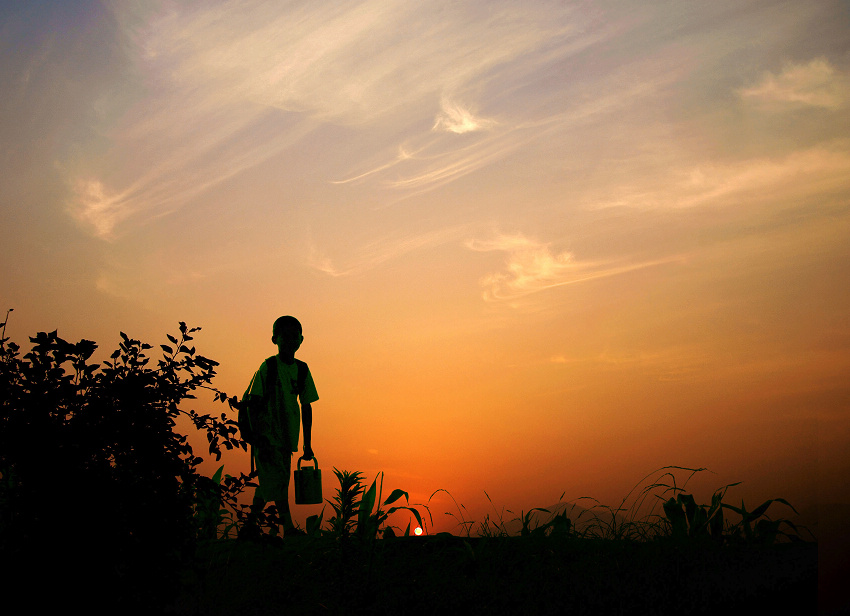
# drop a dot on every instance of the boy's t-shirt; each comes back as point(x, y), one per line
point(281, 423)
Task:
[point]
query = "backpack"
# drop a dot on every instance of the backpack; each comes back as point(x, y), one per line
point(252, 406)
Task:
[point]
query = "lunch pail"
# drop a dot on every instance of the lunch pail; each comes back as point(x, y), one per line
point(308, 484)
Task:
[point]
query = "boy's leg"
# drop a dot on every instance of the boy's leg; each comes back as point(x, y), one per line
point(251, 526)
point(285, 515)
point(257, 507)
point(259, 503)
point(275, 469)
point(282, 504)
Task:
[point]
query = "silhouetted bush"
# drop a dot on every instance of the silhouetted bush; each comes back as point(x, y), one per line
point(97, 488)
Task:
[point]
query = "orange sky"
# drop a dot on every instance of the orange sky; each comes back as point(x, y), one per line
point(536, 248)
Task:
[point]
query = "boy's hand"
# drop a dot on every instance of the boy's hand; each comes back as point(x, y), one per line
point(308, 453)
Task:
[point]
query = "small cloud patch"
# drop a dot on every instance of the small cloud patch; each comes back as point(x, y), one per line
point(815, 84)
point(95, 207)
point(459, 120)
point(530, 266)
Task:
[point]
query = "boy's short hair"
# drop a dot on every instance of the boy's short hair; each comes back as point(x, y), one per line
point(286, 323)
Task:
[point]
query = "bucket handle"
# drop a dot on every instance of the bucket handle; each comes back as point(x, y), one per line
point(314, 460)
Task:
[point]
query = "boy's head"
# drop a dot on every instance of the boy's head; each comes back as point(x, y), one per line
point(286, 334)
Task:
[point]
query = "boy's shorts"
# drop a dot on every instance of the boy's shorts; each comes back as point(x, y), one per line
point(274, 465)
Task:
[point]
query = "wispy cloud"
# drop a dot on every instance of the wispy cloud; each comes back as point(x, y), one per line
point(403, 154)
point(814, 84)
point(803, 173)
point(350, 63)
point(164, 157)
point(96, 209)
point(372, 254)
point(430, 160)
point(532, 266)
point(227, 85)
point(441, 163)
point(457, 119)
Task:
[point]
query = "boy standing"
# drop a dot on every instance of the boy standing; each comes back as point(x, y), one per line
point(273, 399)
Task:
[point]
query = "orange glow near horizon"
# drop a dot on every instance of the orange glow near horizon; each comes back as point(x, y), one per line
point(537, 249)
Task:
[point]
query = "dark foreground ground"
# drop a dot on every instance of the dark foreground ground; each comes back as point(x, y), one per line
point(507, 575)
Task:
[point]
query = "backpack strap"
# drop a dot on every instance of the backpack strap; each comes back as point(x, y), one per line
point(303, 371)
point(272, 374)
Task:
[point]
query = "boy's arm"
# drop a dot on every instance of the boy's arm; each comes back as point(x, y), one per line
point(307, 420)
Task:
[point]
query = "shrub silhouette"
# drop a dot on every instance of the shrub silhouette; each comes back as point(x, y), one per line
point(97, 495)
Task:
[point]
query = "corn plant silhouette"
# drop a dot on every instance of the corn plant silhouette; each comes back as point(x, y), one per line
point(359, 512)
point(99, 494)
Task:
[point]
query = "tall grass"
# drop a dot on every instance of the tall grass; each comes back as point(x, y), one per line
point(658, 506)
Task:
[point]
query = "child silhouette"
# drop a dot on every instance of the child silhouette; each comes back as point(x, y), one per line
point(275, 417)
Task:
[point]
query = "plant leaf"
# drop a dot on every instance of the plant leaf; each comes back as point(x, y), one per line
point(760, 510)
point(366, 504)
point(396, 494)
point(217, 476)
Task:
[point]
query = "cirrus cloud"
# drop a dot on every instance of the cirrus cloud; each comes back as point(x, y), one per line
point(814, 84)
point(532, 266)
point(458, 119)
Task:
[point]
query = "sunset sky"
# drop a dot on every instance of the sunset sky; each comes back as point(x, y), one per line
point(538, 248)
